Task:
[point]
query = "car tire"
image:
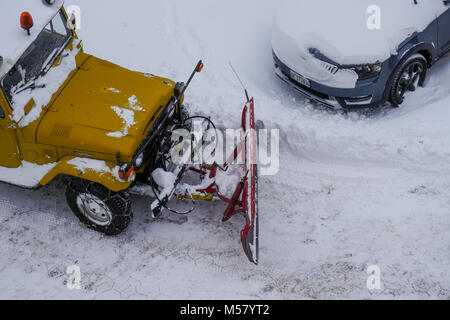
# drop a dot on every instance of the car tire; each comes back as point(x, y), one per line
point(410, 74)
point(98, 207)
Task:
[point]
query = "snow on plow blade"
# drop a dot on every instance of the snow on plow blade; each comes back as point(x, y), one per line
point(245, 197)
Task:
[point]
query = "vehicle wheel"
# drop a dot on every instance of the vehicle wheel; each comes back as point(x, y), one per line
point(98, 207)
point(408, 76)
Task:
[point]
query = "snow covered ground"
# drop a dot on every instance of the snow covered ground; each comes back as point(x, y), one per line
point(352, 191)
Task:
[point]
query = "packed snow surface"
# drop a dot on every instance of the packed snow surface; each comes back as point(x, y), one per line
point(352, 191)
point(13, 38)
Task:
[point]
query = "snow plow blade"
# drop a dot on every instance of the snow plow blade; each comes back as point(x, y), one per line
point(245, 197)
point(250, 233)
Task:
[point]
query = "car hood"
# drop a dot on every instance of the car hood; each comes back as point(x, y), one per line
point(104, 108)
point(339, 29)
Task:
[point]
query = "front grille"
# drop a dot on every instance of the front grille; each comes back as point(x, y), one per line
point(151, 141)
point(60, 130)
point(329, 67)
point(286, 71)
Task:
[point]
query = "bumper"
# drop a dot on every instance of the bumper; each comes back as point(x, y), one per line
point(364, 95)
point(330, 102)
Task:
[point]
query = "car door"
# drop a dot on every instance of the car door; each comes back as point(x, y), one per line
point(444, 29)
point(9, 150)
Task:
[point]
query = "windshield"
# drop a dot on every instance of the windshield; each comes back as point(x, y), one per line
point(41, 54)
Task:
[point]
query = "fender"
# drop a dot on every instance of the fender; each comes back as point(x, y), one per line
point(430, 48)
point(102, 172)
point(425, 41)
point(403, 54)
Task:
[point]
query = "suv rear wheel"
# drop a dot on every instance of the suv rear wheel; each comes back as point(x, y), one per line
point(98, 207)
point(410, 74)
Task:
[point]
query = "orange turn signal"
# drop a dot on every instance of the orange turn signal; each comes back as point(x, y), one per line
point(126, 175)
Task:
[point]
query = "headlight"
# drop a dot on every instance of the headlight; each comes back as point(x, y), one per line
point(367, 71)
point(140, 160)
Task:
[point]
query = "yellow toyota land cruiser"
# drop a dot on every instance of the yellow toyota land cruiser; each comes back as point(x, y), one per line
point(65, 112)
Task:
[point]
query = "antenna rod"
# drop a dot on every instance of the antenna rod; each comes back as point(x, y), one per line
point(242, 84)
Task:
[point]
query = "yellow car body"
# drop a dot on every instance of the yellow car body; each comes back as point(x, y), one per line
point(83, 120)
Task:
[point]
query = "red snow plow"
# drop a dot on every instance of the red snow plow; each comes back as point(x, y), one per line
point(174, 179)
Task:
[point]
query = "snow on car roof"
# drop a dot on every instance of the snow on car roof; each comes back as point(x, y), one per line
point(13, 39)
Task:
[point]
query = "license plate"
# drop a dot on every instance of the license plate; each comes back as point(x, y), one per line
point(300, 79)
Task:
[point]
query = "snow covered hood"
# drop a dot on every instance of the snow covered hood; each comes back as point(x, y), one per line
point(105, 108)
point(338, 29)
point(13, 39)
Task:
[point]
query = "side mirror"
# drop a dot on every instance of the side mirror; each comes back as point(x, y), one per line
point(73, 20)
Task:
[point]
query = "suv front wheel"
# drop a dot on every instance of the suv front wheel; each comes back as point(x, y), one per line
point(98, 207)
point(410, 74)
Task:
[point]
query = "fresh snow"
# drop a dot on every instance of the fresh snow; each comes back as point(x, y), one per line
point(13, 38)
point(338, 29)
point(352, 191)
point(84, 164)
point(28, 175)
point(164, 179)
point(127, 117)
point(99, 166)
point(134, 103)
point(228, 181)
point(46, 87)
point(114, 90)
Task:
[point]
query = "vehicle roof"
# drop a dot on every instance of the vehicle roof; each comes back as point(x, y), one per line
point(13, 39)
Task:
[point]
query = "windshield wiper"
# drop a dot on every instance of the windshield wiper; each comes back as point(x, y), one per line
point(47, 65)
point(31, 84)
